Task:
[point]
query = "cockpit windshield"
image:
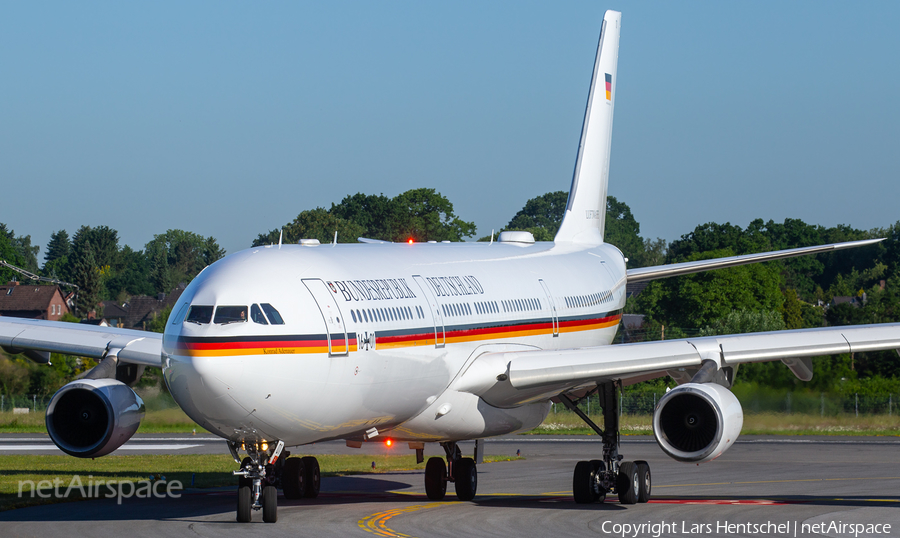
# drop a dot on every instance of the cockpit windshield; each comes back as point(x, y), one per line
point(264, 314)
point(257, 316)
point(200, 314)
point(273, 315)
point(231, 314)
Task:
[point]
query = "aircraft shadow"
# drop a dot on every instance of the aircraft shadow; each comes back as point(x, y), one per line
point(349, 490)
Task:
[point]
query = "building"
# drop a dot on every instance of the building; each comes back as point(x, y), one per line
point(32, 302)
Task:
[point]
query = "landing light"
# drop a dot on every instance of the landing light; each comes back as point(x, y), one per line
point(264, 446)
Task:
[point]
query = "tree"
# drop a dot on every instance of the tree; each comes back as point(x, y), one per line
point(56, 259)
point(315, 223)
point(373, 213)
point(622, 230)
point(86, 274)
point(700, 299)
point(426, 215)
point(545, 212)
point(420, 214)
point(9, 254)
point(178, 256)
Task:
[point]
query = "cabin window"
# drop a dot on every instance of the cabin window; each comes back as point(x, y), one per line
point(200, 314)
point(230, 314)
point(257, 316)
point(353, 315)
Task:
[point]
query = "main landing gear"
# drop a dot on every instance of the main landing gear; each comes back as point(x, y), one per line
point(263, 471)
point(459, 470)
point(593, 479)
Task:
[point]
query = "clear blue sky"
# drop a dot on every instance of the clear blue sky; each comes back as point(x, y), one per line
point(228, 119)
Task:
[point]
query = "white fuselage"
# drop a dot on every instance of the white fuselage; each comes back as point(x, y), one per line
point(374, 335)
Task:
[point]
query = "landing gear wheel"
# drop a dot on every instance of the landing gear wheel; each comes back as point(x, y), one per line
point(243, 505)
point(243, 480)
point(583, 482)
point(627, 483)
point(465, 476)
point(311, 476)
point(293, 479)
point(599, 468)
point(435, 479)
point(270, 504)
point(644, 481)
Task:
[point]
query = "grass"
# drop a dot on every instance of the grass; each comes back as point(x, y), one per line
point(567, 423)
point(170, 420)
point(203, 471)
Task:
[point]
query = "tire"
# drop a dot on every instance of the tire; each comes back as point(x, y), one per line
point(243, 505)
point(465, 476)
point(435, 479)
point(644, 481)
point(599, 468)
point(270, 504)
point(243, 480)
point(583, 482)
point(312, 477)
point(293, 479)
point(627, 483)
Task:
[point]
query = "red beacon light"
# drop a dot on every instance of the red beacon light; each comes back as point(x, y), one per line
point(410, 240)
point(388, 442)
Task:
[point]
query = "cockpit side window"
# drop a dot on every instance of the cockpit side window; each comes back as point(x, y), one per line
point(200, 314)
point(180, 316)
point(257, 316)
point(231, 314)
point(272, 314)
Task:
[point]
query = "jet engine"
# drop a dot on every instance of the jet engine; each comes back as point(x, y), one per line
point(697, 422)
point(89, 418)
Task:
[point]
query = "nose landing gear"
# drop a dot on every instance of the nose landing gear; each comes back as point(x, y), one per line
point(592, 480)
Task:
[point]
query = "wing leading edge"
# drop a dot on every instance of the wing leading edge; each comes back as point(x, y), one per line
point(514, 378)
point(136, 347)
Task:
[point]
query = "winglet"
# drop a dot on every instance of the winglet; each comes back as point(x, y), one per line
point(586, 210)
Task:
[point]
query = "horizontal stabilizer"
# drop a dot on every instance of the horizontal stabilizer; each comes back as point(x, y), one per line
point(642, 274)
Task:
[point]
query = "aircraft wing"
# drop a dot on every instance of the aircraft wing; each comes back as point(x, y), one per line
point(513, 378)
point(642, 274)
point(137, 347)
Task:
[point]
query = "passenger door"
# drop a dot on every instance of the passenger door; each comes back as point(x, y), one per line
point(331, 313)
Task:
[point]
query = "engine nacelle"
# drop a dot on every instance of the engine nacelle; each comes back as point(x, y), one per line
point(92, 417)
point(697, 422)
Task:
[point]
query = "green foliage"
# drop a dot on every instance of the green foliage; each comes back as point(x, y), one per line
point(158, 323)
point(544, 213)
point(314, 224)
point(85, 272)
point(178, 256)
point(792, 310)
point(622, 230)
point(745, 321)
point(418, 214)
point(701, 299)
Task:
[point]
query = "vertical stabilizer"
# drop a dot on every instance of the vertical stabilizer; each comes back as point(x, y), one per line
point(586, 210)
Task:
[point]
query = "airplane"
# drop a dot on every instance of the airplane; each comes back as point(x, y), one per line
point(284, 345)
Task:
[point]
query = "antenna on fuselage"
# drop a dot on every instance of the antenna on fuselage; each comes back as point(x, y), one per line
point(492, 237)
point(280, 235)
point(335, 239)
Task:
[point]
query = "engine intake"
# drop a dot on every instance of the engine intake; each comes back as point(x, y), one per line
point(92, 417)
point(697, 422)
